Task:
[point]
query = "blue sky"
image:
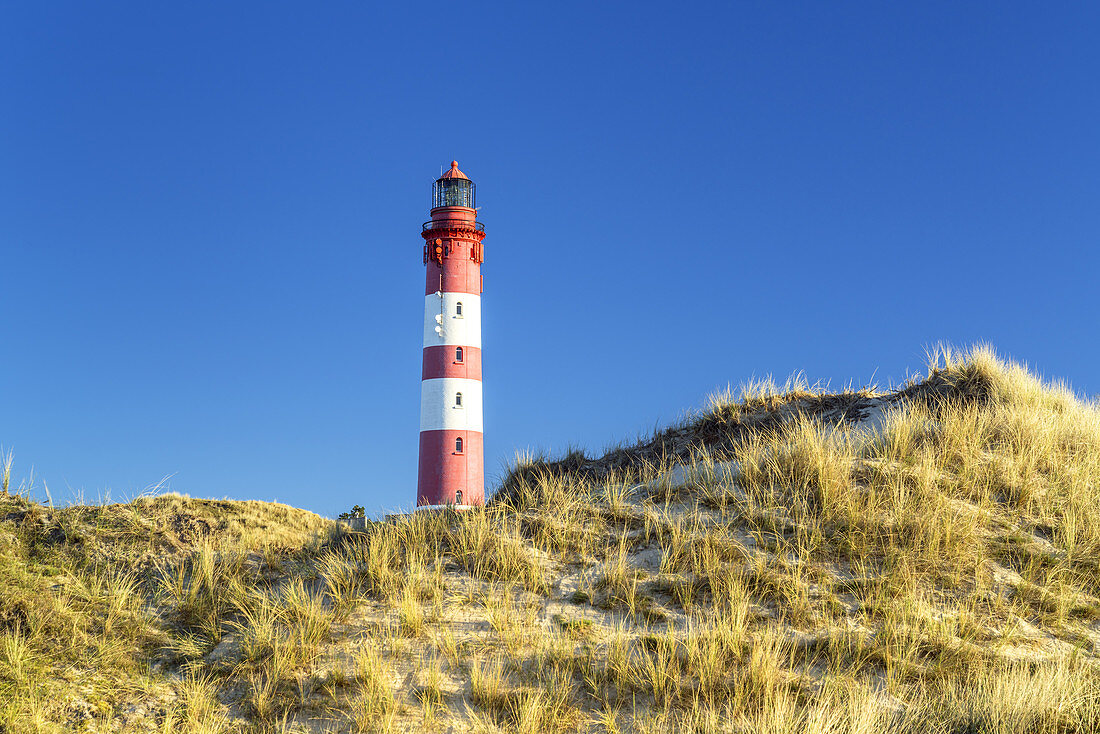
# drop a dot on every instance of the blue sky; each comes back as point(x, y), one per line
point(210, 262)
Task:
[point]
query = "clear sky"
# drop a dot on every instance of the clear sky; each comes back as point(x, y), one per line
point(210, 261)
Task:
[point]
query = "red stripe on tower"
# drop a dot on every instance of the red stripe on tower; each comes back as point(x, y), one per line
point(452, 471)
point(447, 361)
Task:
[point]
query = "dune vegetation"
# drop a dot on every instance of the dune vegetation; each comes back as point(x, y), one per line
point(921, 559)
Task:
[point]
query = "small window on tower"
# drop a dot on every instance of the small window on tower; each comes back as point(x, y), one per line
point(458, 400)
point(458, 497)
point(458, 445)
point(458, 354)
point(458, 309)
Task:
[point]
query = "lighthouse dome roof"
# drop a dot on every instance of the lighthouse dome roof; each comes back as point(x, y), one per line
point(454, 172)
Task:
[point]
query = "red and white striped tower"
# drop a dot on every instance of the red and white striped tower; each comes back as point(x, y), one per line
point(452, 464)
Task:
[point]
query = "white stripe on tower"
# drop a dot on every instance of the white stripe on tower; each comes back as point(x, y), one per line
point(444, 324)
point(450, 404)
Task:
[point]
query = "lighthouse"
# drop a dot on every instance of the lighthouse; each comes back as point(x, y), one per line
point(452, 465)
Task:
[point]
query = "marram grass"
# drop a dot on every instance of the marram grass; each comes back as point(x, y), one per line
point(787, 560)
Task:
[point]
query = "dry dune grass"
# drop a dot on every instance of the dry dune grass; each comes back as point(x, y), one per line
point(922, 560)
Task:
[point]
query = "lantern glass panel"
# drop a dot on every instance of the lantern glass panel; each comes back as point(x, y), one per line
point(453, 192)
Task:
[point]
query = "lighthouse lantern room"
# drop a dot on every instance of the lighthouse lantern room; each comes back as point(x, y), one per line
point(452, 471)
